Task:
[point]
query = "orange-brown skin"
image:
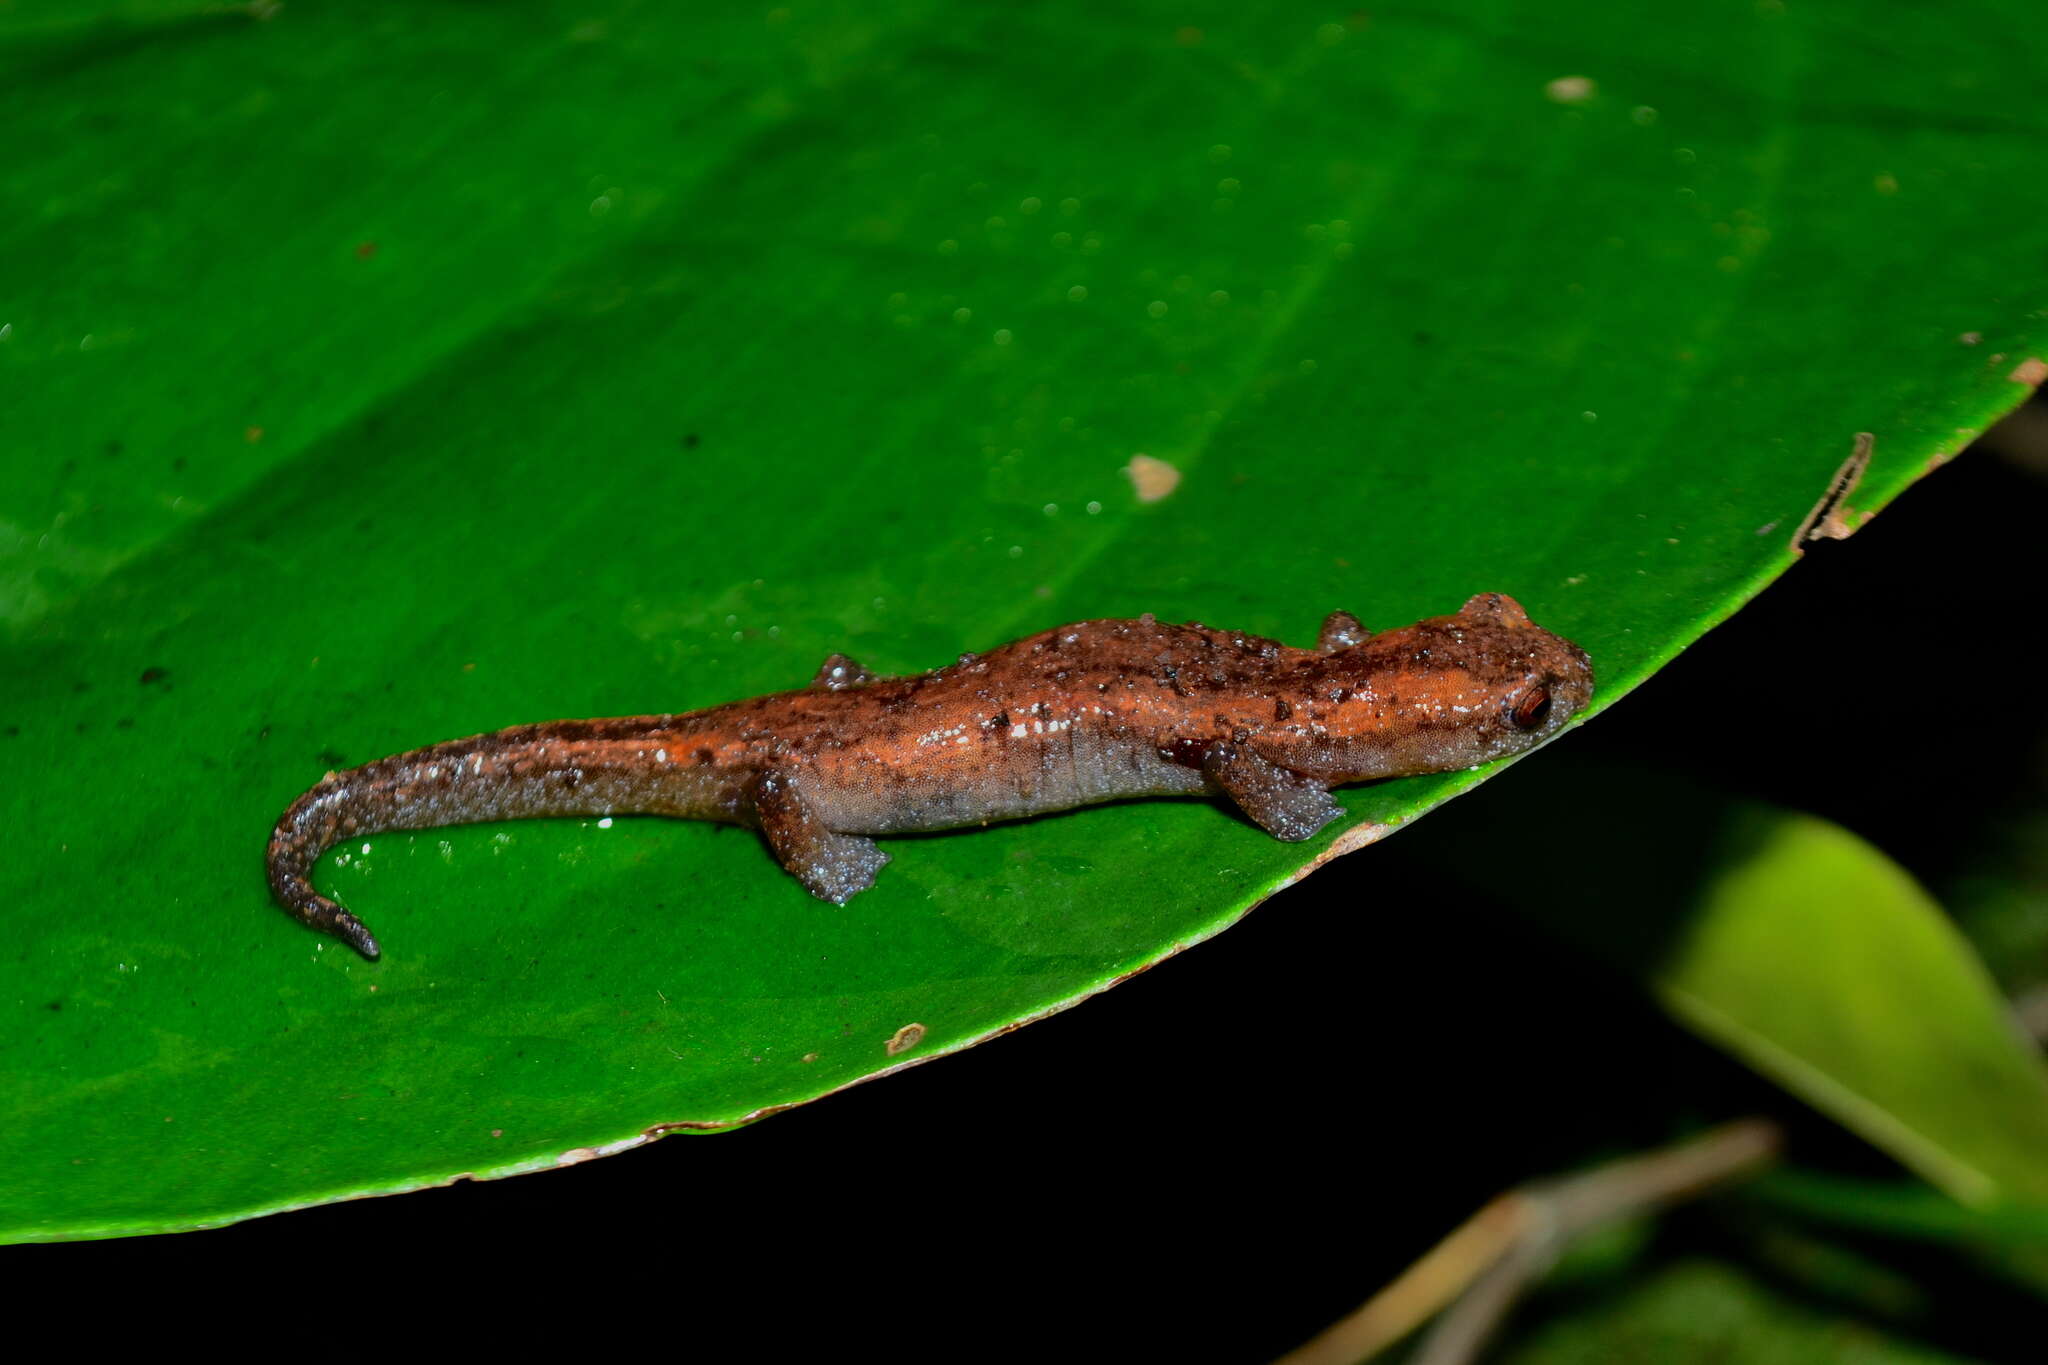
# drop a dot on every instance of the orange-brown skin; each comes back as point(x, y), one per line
point(1067, 717)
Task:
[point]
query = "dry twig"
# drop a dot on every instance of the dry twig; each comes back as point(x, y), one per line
point(1481, 1269)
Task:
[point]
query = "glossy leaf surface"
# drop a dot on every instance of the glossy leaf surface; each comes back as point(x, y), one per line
point(376, 378)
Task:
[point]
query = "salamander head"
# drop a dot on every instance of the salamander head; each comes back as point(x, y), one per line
point(1445, 693)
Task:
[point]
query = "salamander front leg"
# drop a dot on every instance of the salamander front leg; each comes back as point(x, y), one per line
point(1279, 800)
point(832, 866)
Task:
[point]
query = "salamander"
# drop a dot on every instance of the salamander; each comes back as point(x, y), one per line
point(1094, 711)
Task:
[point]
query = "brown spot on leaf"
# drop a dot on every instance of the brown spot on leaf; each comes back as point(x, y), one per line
point(906, 1038)
point(1830, 518)
point(1152, 479)
point(2032, 372)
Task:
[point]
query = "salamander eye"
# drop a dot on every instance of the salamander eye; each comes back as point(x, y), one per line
point(1528, 709)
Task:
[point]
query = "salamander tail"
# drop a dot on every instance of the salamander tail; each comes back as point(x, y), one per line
point(303, 833)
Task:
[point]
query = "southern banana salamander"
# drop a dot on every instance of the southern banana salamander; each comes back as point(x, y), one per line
point(1095, 711)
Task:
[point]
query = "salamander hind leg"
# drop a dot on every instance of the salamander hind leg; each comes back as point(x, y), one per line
point(832, 866)
point(1279, 800)
point(838, 673)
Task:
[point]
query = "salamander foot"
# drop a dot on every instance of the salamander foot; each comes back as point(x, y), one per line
point(832, 866)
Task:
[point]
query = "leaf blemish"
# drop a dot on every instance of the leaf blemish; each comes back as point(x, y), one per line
point(906, 1038)
point(1152, 478)
point(1829, 519)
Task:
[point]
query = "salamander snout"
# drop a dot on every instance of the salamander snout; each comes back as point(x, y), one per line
point(1555, 684)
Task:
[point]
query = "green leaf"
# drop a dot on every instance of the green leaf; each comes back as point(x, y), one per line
point(1707, 1312)
point(1819, 961)
point(395, 377)
point(2007, 1238)
point(1900, 1209)
point(1796, 946)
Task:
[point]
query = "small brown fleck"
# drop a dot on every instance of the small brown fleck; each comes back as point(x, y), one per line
point(1152, 479)
point(1571, 90)
point(810, 1056)
point(576, 1156)
point(906, 1038)
point(2032, 371)
point(253, 435)
point(365, 250)
point(497, 1132)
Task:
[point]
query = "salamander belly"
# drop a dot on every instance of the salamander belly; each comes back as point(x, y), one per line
point(998, 779)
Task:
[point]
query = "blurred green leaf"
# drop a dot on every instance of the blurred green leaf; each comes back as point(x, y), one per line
point(1700, 1311)
point(393, 376)
point(2008, 1237)
point(1899, 1209)
point(1793, 944)
point(1819, 961)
